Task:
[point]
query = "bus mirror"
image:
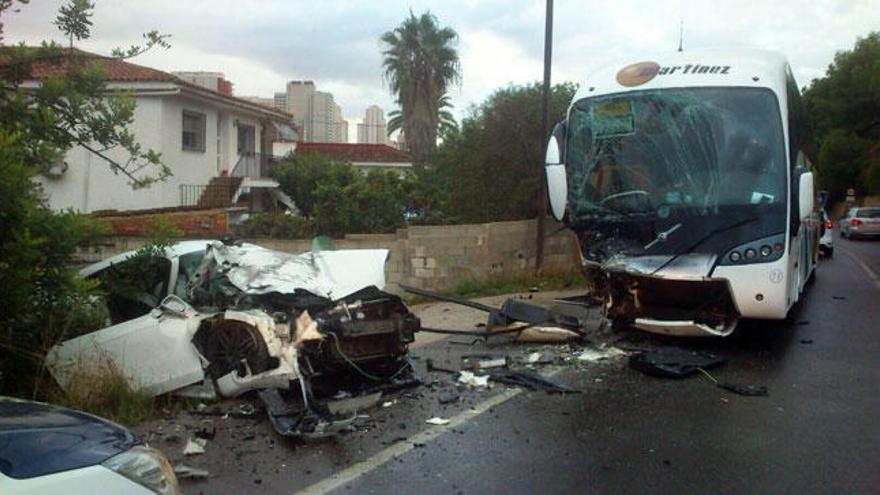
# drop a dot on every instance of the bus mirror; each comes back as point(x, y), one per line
point(805, 195)
point(557, 188)
point(552, 157)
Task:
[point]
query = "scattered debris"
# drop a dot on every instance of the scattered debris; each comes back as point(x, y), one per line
point(186, 472)
point(473, 380)
point(672, 362)
point(448, 397)
point(353, 404)
point(746, 390)
point(437, 421)
point(546, 335)
point(429, 364)
point(838, 298)
point(205, 434)
point(529, 380)
point(195, 446)
point(483, 361)
point(803, 322)
point(389, 403)
point(806, 341)
point(534, 358)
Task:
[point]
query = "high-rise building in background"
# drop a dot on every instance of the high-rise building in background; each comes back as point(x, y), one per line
point(340, 126)
point(315, 112)
point(374, 129)
point(281, 101)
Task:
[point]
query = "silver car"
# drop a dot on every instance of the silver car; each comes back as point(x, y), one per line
point(861, 222)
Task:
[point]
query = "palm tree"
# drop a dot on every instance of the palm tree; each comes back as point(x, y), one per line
point(420, 63)
point(446, 122)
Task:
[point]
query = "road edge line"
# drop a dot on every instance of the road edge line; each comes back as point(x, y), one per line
point(357, 470)
point(864, 266)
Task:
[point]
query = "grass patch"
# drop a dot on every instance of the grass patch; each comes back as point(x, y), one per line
point(101, 389)
point(507, 284)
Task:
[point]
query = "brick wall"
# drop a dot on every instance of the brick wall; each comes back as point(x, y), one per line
point(209, 223)
point(434, 257)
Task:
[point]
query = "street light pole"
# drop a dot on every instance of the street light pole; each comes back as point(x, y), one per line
point(545, 131)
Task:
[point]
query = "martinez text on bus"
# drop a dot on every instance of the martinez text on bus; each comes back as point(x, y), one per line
point(686, 182)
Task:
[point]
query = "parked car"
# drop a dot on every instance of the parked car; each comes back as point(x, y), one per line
point(208, 317)
point(49, 450)
point(826, 241)
point(863, 221)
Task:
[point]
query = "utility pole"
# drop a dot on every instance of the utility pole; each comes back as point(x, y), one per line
point(545, 132)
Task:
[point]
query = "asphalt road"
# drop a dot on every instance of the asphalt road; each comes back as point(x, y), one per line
point(817, 431)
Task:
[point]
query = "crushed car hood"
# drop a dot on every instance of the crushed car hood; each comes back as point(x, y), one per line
point(331, 274)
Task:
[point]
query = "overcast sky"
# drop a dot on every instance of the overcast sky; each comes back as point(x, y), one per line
point(261, 44)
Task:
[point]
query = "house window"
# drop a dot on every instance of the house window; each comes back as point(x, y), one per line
point(194, 131)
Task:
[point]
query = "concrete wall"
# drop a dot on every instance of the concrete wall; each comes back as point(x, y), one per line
point(433, 257)
point(90, 185)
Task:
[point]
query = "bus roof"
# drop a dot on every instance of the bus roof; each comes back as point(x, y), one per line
point(692, 68)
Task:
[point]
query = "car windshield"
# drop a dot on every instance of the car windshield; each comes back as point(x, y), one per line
point(691, 157)
point(868, 213)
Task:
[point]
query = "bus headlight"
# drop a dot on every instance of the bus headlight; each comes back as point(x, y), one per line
point(147, 467)
point(763, 250)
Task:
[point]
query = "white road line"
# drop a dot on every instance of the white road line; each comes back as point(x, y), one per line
point(864, 266)
point(355, 471)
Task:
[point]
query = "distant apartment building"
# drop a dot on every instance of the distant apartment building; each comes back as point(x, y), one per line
point(373, 130)
point(215, 81)
point(281, 101)
point(315, 112)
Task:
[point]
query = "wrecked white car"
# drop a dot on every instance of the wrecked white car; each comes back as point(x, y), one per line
point(232, 318)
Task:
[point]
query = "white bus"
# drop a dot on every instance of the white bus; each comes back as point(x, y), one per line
point(686, 182)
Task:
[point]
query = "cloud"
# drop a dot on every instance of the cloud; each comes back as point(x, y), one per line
point(260, 44)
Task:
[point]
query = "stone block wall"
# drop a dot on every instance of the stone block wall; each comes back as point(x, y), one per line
point(436, 256)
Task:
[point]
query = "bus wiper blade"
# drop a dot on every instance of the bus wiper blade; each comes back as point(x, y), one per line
point(709, 235)
point(662, 236)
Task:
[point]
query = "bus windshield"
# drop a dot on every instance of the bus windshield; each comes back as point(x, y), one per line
point(682, 158)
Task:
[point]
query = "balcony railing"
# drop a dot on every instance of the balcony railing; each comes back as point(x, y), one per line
point(207, 196)
point(253, 165)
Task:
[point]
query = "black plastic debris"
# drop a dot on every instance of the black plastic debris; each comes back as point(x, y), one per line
point(529, 380)
point(806, 341)
point(673, 362)
point(448, 397)
point(746, 390)
point(205, 434)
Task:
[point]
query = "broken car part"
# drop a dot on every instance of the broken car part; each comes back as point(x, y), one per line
point(671, 362)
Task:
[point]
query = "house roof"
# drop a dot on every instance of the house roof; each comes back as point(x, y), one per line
point(116, 70)
point(356, 153)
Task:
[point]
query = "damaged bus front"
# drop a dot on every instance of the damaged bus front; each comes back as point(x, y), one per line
point(687, 185)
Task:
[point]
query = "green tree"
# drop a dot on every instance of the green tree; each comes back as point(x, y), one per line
point(420, 63)
point(43, 300)
point(492, 165)
point(844, 110)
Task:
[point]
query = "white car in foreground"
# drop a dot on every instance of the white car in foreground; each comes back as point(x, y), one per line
point(52, 450)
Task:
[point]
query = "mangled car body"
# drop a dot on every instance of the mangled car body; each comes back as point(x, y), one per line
point(686, 183)
point(231, 318)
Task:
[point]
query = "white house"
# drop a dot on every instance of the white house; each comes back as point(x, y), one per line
point(202, 135)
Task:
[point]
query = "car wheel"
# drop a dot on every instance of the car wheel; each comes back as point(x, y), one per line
point(233, 343)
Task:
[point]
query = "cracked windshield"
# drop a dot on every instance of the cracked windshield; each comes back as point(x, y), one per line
point(656, 170)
